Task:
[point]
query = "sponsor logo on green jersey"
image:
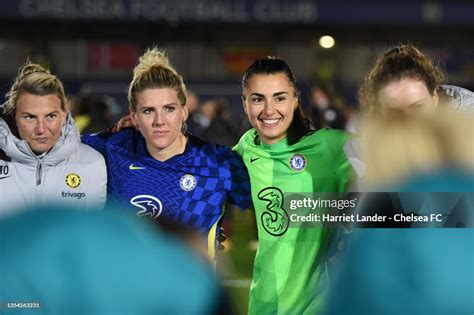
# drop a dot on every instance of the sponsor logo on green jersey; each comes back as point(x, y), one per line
point(275, 220)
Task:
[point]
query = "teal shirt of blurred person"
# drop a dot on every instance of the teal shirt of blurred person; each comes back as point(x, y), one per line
point(42, 159)
point(55, 261)
point(416, 270)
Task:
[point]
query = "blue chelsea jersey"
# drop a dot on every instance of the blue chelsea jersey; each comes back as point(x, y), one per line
point(189, 189)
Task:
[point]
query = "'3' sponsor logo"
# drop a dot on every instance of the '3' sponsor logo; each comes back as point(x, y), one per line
point(275, 219)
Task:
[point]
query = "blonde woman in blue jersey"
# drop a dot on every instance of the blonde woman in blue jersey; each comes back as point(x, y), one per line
point(160, 171)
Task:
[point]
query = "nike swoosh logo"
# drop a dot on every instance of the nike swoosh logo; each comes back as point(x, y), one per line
point(133, 167)
point(3, 177)
point(253, 159)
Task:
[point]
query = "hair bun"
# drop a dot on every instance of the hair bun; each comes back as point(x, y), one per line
point(30, 68)
point(152, 58)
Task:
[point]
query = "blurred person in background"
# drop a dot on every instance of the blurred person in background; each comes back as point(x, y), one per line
point(62, 261)
point(161, 171)
point(324, 113)
point(200, 117)
point(192, 104)
point(93, 113)
point(283, 154)
point(207, 112)
point(221, 129)
point(418, 270)
point(405, 78)
point(41, 155)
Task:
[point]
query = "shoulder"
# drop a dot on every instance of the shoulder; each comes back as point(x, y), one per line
point(208, 149)
point(86, 155)
point(205, 148)
point(332, 133)
point(452, 90)
point(219, 154)
point(328, 136)
point(112, 137)
point(247, 139)
point(249, 136)
point(460, 98)
point(331, 141)
point(124, 138)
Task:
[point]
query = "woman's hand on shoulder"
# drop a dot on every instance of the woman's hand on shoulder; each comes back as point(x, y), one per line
point(124, 122)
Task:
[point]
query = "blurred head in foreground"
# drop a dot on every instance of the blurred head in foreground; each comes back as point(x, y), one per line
point(100, 263)
point(398, 144)
point(407, 270)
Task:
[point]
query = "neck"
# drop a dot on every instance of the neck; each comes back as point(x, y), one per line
point(177, 147)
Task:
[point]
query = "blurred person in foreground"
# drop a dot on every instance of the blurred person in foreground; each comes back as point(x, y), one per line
point(405, 78)
point(41, 155)
point(416, 270)
point(159, 170)
point(63, 261)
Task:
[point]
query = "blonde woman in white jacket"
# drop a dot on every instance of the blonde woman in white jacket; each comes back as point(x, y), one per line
point(42, 160)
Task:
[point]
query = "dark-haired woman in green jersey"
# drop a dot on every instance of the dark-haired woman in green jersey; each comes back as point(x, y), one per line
point(283, 154)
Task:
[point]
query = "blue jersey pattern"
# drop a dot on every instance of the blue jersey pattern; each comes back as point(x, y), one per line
point(189, 189)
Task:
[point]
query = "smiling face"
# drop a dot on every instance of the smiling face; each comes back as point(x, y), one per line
point(39, 120)
point(408, 94)
point(159, 117)
point(270, 102)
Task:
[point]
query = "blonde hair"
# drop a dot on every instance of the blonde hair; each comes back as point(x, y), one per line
point(33, 78)
point(155, 71)
point(399, 144)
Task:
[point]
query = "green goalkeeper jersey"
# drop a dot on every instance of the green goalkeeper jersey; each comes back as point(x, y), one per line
point(290, 271)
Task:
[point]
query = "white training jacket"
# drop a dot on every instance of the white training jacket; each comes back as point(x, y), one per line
point(70, 174)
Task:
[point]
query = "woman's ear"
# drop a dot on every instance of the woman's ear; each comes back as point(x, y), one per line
point(185, 112)
point(243, 105)
point(297, 98)
point(133, 118)
point(435, 98)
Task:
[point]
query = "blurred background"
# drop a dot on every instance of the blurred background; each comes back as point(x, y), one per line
point(93, 45)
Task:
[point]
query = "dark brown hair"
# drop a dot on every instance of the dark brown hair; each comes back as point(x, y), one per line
point(300, 125)
point(403, 61)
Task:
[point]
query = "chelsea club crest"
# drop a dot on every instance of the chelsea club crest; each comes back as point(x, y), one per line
point(187, 182)
point(297, 162)
point(73, 180)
